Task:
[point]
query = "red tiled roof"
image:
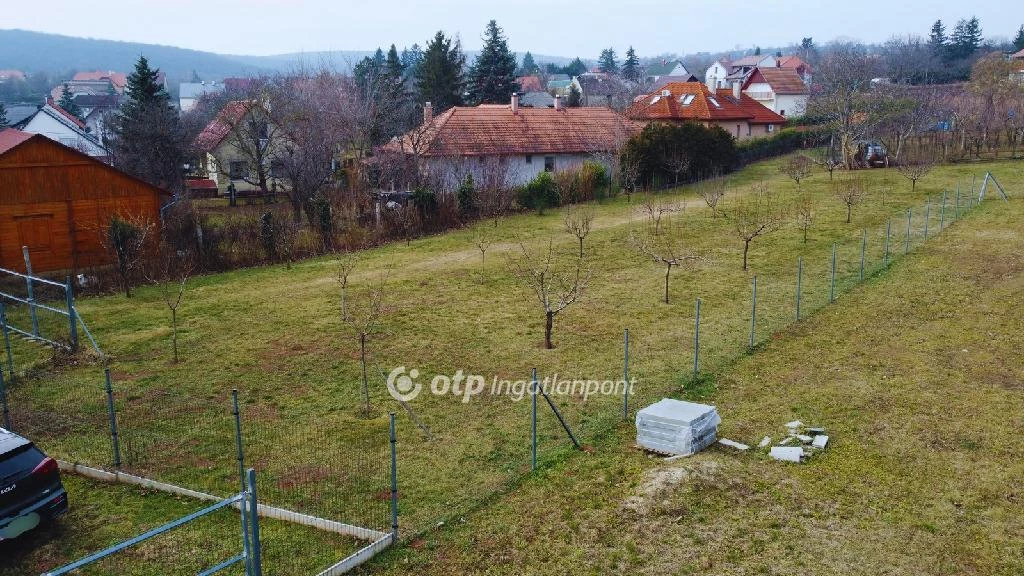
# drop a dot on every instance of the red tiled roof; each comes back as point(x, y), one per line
point(529, 84)
point(793, 62)
point(118, 79)
point(201, 184)
point(760, 114)
point(74, 119)
point(9, 138)
point(1018, 55)
point(782, 80)
point(220, 127)
point(492, 129)
point(11, 74)
point(658, 106)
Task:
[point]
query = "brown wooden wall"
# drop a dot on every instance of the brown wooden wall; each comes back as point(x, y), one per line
point(58, 202)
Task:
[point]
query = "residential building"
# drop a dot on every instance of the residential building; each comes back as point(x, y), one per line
point(9, 74)
point(529, 84)
point(189, 93)
point(795, 63)
point(227, 147)
point(601, 89)
point(723, 74)
point(780, 89)
point(716, 74)
point(658, 72)
point(60, 203)
point(59, 125)
point(119, 80)
point(536, 100)
point(562, 87)
point(731, 110)
point(520, 141)
point(95, 110)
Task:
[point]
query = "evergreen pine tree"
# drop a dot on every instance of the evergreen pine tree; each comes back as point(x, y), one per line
point(607, 62)
point(1018, 41)
point(395, 68)
point(757, 51)
point(195, 76)
point(575, 99)
point(966, 38)
point(439, 77)
point(411, 58)
point(631, 66)
point(145, 137)
point(493, 77)
point(67, 102)
point(575, 68)
point(3, 116)
point(529, 66)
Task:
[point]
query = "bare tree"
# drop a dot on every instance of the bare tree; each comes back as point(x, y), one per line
point(482, 239)
point(677, 162)
point(712, 190)
point(827, 158)
point(171, 273)
point(251, 134)
point(495, 190)
point(656, 209)
point(754, 216)
point(629, 173)
point(805, 214)
point(842, 81)
point(915, 168)
point(666, 248)
point(556, 287)
point(367, 309)
point(796, 167)
point(126, 240)
point(850, 192)
point(578, 222)
point(346, 264)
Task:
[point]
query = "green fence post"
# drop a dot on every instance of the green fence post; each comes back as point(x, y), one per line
point(799, 278)
point(906, 247)
point(625, 378)
point(696, 341)
point(832, 284)
point(256, 565)
point(72, 319)
point(31, 298)
point(112, 416)
point(863, 250)
point(533, 421)
point(927, 217)
point(394, 480)
point(240, 455)
point(7, 342)
point(753, 311)
point(956, 214)
point(3, 402)
point(942, 213)
point(888, 232)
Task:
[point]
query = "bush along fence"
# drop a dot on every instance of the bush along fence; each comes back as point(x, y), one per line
point(318, 472)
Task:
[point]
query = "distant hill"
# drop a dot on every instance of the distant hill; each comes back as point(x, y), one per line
point(37, 51)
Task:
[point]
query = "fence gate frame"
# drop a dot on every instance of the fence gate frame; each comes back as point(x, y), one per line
point(250, 556)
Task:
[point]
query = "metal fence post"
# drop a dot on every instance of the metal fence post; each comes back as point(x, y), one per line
point(256, 565)
point(625, 378)
point(942, 212)
point(241, 475)
point(112, 415)
point(3, 402)
point(394, 480)
point(906, 245)
point(956, 213)
point(533, 421)
point(31, 299)
point(72, 319)
point(7, 342)
point(799, 278)
point(696, 341)
point(888, 232)
point(863, 251)
point(753, 311)
point(927, 217)
point(832, 283)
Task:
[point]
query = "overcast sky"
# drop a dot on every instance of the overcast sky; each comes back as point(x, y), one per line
point(555, 27)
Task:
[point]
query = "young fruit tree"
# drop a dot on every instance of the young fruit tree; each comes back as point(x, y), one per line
point(754, 216)
point(126, 239)
point(578, 222)
point(171, 272)
point(712, 190)
point(482, 239)
point(365, 312)
point(797, 168)
point(555, 284)
point(805, 214)
point(914, 169)
point(346, 264)
point(655, 210)
point(850, 192)
point(665, 247)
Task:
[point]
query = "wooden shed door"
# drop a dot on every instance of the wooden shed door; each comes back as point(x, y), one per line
point(36, 232)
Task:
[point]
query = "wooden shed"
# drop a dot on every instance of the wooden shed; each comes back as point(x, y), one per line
point(59, 202)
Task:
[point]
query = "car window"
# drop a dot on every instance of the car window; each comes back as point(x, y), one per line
point(19, 460)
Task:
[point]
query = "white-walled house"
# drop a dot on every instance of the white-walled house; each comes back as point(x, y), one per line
point(716, 74)
point(519, 142)
point(781, 90)
point(61, 126)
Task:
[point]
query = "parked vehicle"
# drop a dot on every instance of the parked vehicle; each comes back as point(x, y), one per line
point(30, 488)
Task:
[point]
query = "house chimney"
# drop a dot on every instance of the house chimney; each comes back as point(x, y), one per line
point(515, 103)
point(558, 102)
point(428, 112)
point(736, 90)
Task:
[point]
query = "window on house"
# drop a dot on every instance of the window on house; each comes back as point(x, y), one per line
point(276, 169)
point(737, 130)
point(238, 169)
point(771, 127)
point(714, 102)
point(529, 158)
point(782, 112)
point(748, 129)
point(549, 163)
point(687, 99)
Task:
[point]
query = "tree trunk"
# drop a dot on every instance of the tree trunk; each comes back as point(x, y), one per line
point(805, 234)
point(668, 271)
point(362, 359)
point(548, 326)
point(296, 207)
point(581, 248)
point(849, 212)
point(174, 333)
point(746, 248)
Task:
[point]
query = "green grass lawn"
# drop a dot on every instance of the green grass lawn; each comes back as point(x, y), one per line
point(918, 379)
point(276, 335)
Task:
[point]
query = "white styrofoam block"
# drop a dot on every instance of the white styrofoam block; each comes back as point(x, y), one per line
point(733, 444)
point(786, 453)
point(794, 424)
point(676, 427)
point(765, 442)
point(820, 442)
point(804, 438)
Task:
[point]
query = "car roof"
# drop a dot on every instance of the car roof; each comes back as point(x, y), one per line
point(10, 441)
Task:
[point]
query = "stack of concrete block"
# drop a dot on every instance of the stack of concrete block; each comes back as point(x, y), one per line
point(800, 443)
point(676, 427)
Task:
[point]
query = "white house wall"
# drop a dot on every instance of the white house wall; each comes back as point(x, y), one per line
point(519, 170)
point(46, 125)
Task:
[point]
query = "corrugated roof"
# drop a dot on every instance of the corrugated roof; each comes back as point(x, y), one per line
point(492, 129)
point(782, 80)
point(9, 138)
point(686, 101)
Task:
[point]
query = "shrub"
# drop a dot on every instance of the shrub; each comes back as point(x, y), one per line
point(709, 150)
point(539, 194)
point(785, 141)
point(467, 196)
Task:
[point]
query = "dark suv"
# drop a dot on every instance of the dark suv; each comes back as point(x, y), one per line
point(30, 486)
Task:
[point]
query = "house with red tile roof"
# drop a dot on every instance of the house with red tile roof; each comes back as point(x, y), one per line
point(226, 148)
point(522, 141)
point(61, 126)
point(798, 65)
point(780, 89)
point(731, 110)
point(10, 74)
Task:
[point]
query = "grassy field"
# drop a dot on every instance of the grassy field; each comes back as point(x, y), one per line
point(918, 379)
point(275, 334)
